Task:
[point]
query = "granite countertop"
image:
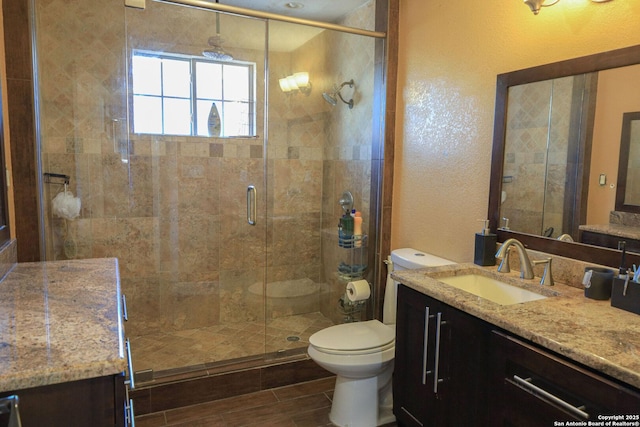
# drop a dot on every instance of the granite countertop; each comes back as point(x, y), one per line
point(618, 230)
point(587, 331)
point(60, 321)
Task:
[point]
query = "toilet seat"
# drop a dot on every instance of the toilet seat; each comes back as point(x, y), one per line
point(354, 338)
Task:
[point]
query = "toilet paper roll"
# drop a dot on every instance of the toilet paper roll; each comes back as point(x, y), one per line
point(358, 290)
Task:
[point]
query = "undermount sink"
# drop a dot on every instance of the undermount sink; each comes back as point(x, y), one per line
point(492, 289)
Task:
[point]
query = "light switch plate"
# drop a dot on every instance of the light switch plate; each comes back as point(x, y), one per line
point(602, 180)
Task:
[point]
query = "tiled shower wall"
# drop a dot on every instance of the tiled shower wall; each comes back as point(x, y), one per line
point(536, 155)
point(167, 207)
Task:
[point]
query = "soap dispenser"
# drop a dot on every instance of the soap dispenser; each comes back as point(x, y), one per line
point(485, 251)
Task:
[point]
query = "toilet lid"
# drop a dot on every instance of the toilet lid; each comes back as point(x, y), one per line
point(354, 336)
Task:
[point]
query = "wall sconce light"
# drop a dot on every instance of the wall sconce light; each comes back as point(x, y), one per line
point(296, 82)
point(535, 5)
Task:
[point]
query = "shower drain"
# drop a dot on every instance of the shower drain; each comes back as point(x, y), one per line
point(293, 338)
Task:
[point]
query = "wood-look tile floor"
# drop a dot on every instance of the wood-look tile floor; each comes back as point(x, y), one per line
point(299, 405)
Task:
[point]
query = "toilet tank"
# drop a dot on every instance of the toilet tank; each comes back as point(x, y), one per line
point(405, 259)
point(410, 259)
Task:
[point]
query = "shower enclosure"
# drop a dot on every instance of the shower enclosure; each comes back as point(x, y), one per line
point(217, 191)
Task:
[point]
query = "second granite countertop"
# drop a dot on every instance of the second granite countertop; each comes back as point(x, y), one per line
point(60, 321)
point(587, 331)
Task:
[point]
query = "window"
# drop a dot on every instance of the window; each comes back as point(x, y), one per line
point(173, 95)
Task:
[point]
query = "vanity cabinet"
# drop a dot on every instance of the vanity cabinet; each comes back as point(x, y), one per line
point(533, 387)
point(439, 349)
point(486, 376)
point(96, 402)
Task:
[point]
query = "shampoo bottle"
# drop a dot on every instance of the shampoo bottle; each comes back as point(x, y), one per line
point(357, 229)
point(485, 249)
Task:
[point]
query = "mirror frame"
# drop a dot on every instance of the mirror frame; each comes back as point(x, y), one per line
point(586, 64)
point(625, 150)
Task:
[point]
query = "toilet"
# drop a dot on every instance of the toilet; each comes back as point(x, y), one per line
point(361, 355)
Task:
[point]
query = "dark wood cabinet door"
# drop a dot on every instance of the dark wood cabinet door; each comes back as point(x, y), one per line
point(413, 397)
point(463, 361)
point(95, 402)
point(438, 384)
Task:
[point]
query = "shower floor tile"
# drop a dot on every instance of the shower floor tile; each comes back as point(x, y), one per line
point(165, 351)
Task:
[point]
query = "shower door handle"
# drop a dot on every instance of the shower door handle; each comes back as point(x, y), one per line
point(251, 205)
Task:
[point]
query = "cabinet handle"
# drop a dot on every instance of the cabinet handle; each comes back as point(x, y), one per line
point(129, 414)
point(9, 405)
point(436, 367)
point(132, 415)
point(131, 382)
point(526, 384)
point(125, 313)
point(251, 205)
point(426, 343)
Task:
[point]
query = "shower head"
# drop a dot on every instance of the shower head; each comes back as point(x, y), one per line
point(216, 51)
point(331, 97)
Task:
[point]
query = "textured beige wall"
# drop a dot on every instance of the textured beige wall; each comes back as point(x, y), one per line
point(450, 54)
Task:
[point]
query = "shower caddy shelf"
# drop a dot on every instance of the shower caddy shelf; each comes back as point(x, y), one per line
point(353, 258)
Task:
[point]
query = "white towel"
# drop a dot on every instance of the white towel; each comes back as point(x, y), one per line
point(391, 289)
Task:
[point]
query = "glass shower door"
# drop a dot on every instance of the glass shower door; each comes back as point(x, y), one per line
point(127, 114)
point(199, 302)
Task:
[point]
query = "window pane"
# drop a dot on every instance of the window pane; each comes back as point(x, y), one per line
point(146, 75)
point(235, 120)
point(177, 116)
point(176, 78)
point(208, 80)
point(236, 83)
point(147, 114)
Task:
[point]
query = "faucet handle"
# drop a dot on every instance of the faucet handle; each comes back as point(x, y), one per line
point(547, 276)
point(506, 223)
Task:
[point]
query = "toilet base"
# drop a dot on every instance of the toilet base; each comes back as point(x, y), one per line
point(356, 403)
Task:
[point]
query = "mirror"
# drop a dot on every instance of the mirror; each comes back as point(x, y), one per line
point(577, 165)
point(628, 192)
point(546, 137)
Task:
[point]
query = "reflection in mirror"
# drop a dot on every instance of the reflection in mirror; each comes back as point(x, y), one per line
point(582, 159)
point(544, 141)
point(628, 193)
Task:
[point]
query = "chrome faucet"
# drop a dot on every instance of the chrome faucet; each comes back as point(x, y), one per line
point(566, 238)
point(526, 270)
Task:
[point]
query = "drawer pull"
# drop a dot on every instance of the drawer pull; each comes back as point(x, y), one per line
point(131, 382)
point(9, 405)
point(526, 383)
point(424, 349)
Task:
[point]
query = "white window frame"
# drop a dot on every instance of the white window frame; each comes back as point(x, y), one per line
point(193, 98)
